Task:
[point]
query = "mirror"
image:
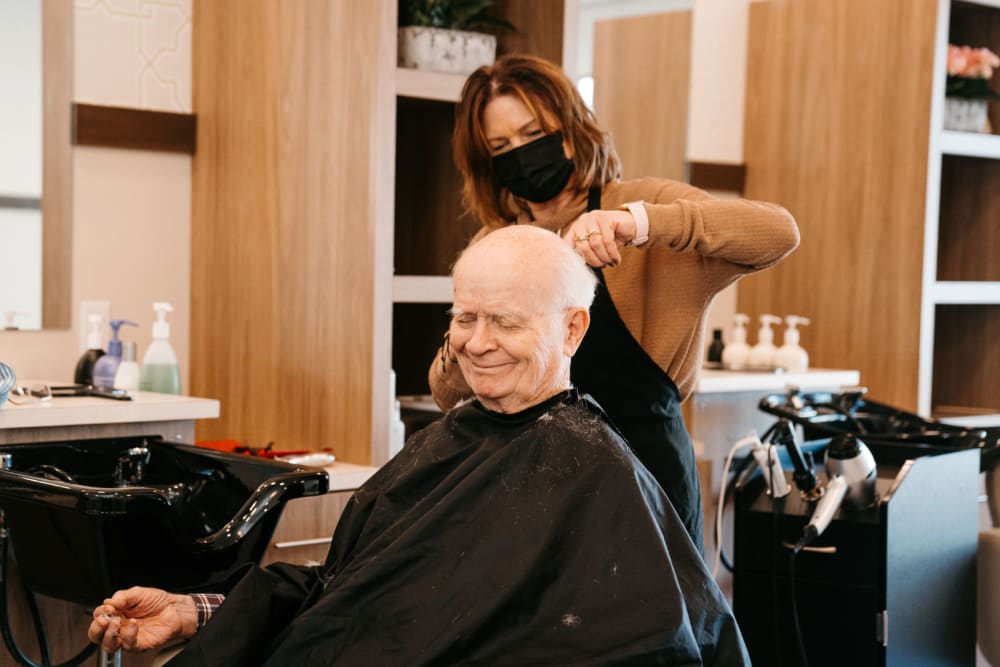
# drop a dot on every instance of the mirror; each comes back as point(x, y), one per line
point(35, 164)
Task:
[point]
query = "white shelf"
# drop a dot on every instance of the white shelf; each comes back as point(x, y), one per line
point(971, 292)
point(428, 85)
point(421, 289)
point(713, 381)
point(970, 144)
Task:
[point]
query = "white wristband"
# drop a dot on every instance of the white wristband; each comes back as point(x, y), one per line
point(638, 212)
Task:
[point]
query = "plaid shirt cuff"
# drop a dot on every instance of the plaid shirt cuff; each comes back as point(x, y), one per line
point(206, 604)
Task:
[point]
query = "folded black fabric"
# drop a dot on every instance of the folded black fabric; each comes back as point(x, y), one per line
point(527, 539)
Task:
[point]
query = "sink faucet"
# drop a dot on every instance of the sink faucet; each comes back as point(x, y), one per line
point(130, 465)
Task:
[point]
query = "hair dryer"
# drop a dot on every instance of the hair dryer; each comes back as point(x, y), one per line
point(852, 482)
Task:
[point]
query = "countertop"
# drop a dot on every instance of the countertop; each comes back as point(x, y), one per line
point(714, 381)
point(348, 476)
point(83, 410)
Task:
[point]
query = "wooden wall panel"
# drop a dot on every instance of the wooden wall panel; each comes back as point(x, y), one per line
point(539, 27)
point(642, 69)
point(57, 161)
point(285, 198)
point(969, 230)
point(431, 228)
point(841, 141)
point(966, 358)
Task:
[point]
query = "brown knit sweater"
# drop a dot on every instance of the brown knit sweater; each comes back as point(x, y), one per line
point(698, 245)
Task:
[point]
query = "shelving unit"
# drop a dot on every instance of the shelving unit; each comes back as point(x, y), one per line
point(960, 304)
point(430, 227)
point(898, 216)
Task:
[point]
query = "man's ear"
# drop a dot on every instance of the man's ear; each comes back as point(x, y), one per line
point(577, 322)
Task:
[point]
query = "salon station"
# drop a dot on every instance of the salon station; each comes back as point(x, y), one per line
point(556, 332)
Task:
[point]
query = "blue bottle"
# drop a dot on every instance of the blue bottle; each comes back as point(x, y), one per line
point(107, 366)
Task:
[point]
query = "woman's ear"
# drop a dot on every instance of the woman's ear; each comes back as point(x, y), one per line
point(577, 322)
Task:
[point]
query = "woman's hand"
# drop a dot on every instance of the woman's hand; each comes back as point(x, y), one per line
point(596, 235)
point(140, 618)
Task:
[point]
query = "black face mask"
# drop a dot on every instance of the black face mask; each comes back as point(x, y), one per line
point(536, 171)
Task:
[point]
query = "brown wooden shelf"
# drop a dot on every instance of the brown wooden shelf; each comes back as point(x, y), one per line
point(120, 127)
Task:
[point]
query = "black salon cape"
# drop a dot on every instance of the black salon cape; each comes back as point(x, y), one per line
point(527, 539)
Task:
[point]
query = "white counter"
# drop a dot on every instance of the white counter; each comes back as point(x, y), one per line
point(87, 410)
point(714, 381)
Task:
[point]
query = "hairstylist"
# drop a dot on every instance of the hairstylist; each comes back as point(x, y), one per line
point(530, 152)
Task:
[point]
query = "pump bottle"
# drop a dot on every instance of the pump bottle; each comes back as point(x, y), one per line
point(736, 351)
point(714, 356)
point(790, 356)
point(84, 373)
point(160, 372)
point(127, 377)
point(762, 354)
point(107, 366)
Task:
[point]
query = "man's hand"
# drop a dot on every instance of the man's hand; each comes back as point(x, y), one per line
point(140, 618)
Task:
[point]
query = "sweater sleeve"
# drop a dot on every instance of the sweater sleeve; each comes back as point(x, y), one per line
point(749, 234)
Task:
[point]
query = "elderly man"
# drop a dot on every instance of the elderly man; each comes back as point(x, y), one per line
point(517, 530)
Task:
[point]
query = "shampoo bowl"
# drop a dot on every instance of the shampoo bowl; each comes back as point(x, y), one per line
point(88, 517)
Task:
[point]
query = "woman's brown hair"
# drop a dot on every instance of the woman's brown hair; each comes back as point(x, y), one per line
point(551, 97)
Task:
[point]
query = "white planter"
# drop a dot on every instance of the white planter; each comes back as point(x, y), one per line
point(965, 114)
point(450, 51)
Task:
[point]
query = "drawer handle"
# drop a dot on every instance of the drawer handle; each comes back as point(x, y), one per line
point(815, 550)
point(302, 543)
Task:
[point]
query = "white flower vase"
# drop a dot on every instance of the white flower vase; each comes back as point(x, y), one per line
point(449, 51)
point(965, 114)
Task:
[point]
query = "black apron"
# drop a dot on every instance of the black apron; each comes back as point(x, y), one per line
point(641, 400)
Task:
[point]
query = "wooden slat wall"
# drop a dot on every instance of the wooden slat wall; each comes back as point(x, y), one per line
point(841, 141)
point(57, 170)
point(642, 68)
point(290, 101)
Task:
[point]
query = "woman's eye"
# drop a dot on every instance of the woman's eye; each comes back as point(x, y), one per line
point(534, 133)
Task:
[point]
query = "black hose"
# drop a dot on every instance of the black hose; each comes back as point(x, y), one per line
point(795, 607)
point(36, 619)
point(8, 635)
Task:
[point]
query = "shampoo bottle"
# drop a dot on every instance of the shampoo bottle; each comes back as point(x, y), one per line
point(160, 372)
point(790, 356)
point(736, 352)
point(84, 373)
point(127, 376)
point(762, 354)
point(107, 366)
point(715, 349)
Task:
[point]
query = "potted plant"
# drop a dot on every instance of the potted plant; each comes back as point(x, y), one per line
point(967, 91)
point(438, 35)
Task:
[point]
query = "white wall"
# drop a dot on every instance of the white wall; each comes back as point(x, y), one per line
point(131, 209)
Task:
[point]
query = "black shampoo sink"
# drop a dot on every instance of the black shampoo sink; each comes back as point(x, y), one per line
point(88, 517)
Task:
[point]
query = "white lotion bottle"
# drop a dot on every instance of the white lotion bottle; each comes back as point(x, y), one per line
point(736, 352)
point(160, 372)
point(790, 357)
point(127, 376)
point(762, 354)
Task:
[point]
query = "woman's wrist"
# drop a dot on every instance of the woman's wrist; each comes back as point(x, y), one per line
point(187, 612)
point(641, 219)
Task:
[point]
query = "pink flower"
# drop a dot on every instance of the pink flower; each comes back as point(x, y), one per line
point(970, 63)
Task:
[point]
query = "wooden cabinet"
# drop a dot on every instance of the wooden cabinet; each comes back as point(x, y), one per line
point(897, 269)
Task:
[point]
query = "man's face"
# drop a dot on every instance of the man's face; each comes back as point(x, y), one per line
point(509, 344)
